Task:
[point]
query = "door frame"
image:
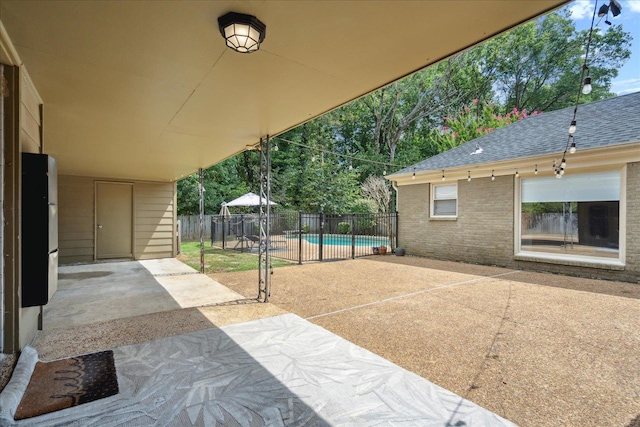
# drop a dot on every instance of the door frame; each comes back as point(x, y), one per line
point(95, 217)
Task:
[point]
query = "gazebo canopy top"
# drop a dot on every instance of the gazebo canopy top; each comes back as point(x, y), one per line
point(249, 199)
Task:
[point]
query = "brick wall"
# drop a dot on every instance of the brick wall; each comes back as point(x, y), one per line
point(633, 220)
point(483, 232)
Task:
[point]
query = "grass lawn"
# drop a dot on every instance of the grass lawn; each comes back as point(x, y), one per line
point(217, 260)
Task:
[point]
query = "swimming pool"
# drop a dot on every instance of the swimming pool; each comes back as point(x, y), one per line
point(345, 240)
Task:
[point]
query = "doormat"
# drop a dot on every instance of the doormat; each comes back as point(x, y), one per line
point(68, 382)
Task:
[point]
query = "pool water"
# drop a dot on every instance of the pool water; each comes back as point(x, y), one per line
point(345, 240)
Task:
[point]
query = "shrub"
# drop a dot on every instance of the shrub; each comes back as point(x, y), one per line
point(306, 228)
point(344, 228)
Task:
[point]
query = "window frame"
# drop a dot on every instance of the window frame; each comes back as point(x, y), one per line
point(433, 199)
point(572, 259)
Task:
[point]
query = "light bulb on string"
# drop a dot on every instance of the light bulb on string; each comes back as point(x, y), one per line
point(572, 148)
point(414, 174)
point(384, 172)
point(443, 178)
point(535, 171)
point(587, 88)
point(469, 176)
point(313, 158)
point(563, 163)
point(517, 173)
point(493, 177)
point(572, 127)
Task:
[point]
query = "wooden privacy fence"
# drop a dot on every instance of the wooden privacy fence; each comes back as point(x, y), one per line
point(190, 227)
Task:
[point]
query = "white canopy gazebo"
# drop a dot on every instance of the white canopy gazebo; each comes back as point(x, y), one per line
point(249, 199)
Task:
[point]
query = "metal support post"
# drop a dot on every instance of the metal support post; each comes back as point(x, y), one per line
point(264, 259)
point(201, 194)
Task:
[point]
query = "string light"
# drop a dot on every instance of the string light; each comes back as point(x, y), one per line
point(517, 174)
point(414, 174)
point(535, 171)
point(572, 148)
point(586, 88)
point(384, 172)
point(493, 177)
point(443, 175)
point(572, 127)
point(469, 176)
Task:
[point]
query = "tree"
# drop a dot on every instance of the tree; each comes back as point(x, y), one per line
point(378, 190)
point(537, 65)
point(472, 122)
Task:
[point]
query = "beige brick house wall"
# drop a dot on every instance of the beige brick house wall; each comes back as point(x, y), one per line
point(633, 219)
point(483, 233)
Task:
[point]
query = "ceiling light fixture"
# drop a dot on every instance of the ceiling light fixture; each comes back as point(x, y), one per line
point(243, 33)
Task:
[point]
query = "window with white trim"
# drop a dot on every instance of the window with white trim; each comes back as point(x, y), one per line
point(577, 216)
point(444, 201)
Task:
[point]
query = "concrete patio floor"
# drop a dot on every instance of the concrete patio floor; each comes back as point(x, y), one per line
point(229, 361)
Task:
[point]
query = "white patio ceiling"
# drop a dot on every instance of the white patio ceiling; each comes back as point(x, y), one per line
point(148, 90)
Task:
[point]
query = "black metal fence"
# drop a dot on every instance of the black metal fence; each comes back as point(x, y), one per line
point(300, 237)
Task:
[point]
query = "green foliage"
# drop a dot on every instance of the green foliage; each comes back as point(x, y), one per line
point(534, 67)
point(472, 122)
point(344, 228)
point(306, 229)
point(218, 260)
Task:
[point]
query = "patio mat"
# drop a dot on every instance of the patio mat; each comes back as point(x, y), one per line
point(68, 382)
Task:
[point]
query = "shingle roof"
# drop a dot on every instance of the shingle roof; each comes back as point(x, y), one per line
point(612, 121)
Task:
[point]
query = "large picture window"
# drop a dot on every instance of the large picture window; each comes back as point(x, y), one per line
point(444, 201)
point(577, 216)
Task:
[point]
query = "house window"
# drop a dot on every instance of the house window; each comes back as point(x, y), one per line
point(444, 201)
point(572, 218)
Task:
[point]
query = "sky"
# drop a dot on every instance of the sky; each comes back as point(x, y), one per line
point(628, 80)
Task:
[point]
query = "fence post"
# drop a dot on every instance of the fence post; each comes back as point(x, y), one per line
point(299, 237)
point(397, 229)
point(320, 235)
point(224, 229)
point(353, 238)
point(241, 236)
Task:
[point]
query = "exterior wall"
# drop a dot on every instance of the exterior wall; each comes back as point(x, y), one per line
point(75, 218)
point(633, 221)
point(30, 142)
point(482, 233)
point(154, 219)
